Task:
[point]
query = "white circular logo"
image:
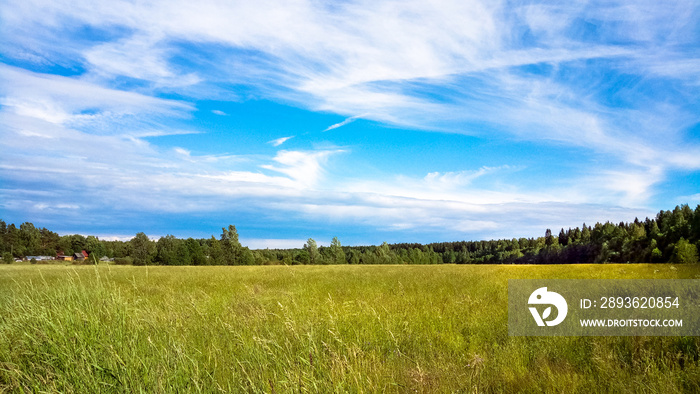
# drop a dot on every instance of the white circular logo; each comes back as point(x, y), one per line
point(543, 297)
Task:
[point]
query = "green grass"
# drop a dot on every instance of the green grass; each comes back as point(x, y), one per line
point(313, 329)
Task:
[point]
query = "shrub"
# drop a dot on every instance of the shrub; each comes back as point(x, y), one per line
point(685, 252)
point(123, 261)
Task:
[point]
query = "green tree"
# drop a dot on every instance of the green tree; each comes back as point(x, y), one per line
point(182, 256)
point(312, 249)
point(680, 223)
point(336, 251)
point(12, 242)
point(585, 234)
point(120, 249)
point(216, 253)
point(142, 249)
point(70, 244)
point(385, 255)
point(247, 257)
point(415, 256)
point(685, 252)
point(301, 257)
point(355, 256)
point(564, 237)
point(166, 250)
point(549, 239)
point(30, 238)
point(49, 241)
point(695, 224)
point(94, 246)
point(194, 248)
point(65, 245)
point(230, 246)
point(3, 234)
point(653, 229)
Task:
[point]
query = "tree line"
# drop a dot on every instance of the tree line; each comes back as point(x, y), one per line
point(672, 236)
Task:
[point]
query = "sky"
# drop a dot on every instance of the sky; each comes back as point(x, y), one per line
point(372, 121)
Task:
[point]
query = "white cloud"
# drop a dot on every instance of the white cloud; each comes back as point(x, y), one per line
point(139, 56)
point(182, 151)
point(343, 123)
point(693, 199)
point(306, 168)
point(42, 206)
point(280, 141)
point(62, 100)
point(264, 243)
point(160, 133)
point(450, 180)
point(123, 238)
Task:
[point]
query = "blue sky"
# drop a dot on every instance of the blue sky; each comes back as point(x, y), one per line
point(398, 121)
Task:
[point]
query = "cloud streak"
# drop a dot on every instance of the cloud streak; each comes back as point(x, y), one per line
point(280, 141)
point(343, 123)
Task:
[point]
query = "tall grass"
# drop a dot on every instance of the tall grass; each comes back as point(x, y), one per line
point(312, 329)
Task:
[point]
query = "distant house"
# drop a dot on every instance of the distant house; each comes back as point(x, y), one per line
point(39, 258)
point(83, 255)
point(80, 256)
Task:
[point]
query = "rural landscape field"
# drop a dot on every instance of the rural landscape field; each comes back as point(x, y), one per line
point(324, 196)
point(339, 328)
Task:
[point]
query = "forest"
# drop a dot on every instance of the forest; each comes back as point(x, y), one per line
point(672, 236)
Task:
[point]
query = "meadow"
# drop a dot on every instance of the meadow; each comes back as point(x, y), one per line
point(339, 328)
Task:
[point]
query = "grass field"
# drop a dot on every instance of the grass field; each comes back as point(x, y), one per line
point(313, 329)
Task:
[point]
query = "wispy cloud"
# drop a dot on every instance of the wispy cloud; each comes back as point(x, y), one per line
point(304, 167)
point(68, 101)
point(280, 141)
point(343, 123)
point(140, 56)
point(182, 151)
point(449, 180)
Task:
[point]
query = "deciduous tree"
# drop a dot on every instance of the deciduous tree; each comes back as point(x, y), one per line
point(312, 249)
point(337, 253)
point(685, 252)
point(230, 246)
point(142, 249)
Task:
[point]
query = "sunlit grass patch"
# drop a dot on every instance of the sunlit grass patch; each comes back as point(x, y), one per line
point(312, 329)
